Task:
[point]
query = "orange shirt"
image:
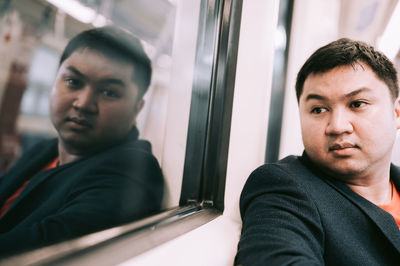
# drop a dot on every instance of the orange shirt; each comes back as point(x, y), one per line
point(394, 206)
point(14, 196)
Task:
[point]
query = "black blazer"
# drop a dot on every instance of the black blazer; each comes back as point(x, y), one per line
point(118, 185)
point(295, 215)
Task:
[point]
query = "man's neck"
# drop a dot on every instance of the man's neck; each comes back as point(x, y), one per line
point(67, 157)
point(379, 193)
point(374, 185)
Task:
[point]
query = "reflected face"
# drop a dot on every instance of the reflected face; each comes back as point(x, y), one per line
point(93, 101)
point(348, 120)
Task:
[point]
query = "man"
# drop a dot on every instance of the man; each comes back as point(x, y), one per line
point(97, 173)
point(338, 203)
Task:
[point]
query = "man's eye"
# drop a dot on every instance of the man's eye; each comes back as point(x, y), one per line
point(109, 93)
point(357, 104)
point(318, 110)
point(73, 83)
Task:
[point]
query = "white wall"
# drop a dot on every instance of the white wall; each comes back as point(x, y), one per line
point(251, 99)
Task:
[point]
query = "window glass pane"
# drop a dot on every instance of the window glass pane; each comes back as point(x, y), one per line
point(33, 37)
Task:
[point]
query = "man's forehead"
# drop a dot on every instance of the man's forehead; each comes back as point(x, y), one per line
point(86, 60)
point(343, 81)
point(113, 57)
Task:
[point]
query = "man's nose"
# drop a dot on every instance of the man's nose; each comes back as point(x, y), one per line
point(86, 100)
point(339, 123)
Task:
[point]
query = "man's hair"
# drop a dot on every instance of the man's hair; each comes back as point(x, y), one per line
point(119, 45)
point(344, 52)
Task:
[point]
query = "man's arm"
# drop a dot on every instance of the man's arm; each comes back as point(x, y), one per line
point(281, 225)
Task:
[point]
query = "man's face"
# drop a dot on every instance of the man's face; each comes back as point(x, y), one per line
point(348, 121)
point(92, 102)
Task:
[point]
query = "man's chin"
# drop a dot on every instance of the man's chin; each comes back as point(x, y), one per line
point(344, 171)
point(86, 145)
point(337, 168)
point(79, 145)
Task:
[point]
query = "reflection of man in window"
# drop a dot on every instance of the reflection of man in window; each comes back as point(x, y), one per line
point(97, 173)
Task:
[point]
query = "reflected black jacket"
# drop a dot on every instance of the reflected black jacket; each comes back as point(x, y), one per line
point(115, 186)
point(295, 215)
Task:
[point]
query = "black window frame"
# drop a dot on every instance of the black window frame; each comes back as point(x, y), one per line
point(281, 60)
point(203, 186)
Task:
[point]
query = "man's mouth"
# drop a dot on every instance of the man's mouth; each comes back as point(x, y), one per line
point(80, 121)
point(342, 146)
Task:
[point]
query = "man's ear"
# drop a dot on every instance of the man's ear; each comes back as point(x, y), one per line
point(397, 112)
point(138, 108)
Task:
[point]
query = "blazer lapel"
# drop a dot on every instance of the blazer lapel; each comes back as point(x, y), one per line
point(28, 166)
point(384, 221)
point(37, 180)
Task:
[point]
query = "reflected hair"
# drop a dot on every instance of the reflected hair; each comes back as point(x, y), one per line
point(344, 52)
point(119, 45)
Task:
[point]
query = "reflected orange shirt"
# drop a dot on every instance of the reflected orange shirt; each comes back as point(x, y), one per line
point(394, 206)
point(14, 196)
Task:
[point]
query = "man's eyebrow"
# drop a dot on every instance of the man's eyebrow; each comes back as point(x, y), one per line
point(115, 81)
point(313, 96)
point(76, 71)
point(106, 80)
point(356, 92)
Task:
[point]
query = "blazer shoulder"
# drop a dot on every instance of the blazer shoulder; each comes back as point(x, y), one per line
point(126, 162)
point(286, 168)
point(284, 175)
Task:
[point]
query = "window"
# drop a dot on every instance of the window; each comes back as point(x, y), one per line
point(208, 98)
